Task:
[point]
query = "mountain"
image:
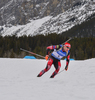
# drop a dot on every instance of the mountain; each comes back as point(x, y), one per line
point(32, 17)
point(21, 11)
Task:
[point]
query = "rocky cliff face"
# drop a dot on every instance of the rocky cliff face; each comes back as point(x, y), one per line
point(21, 11)
point(33, 17)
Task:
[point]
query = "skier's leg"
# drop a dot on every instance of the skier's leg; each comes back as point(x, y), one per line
point(47, 68)
point(57, 68)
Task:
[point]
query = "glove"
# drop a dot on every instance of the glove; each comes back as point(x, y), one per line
point(66, 68)
point(46, 57)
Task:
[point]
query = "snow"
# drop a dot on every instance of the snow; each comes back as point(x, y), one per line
point(18, 80)
point(50, 24)
point(27, 29)
point(7, 5)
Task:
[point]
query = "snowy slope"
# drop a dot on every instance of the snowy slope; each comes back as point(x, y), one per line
point(18, 80)
point(28, 29)
point(50, 24)
point(68, 19)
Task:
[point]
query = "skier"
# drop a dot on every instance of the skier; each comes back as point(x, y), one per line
point(59, 52)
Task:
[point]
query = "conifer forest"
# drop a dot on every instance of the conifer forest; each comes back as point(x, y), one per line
point(81, 48)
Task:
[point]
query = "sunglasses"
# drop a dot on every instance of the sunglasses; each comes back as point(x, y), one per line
point(67, 47)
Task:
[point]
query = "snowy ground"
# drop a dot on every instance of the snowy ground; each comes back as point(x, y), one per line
point(18, 80)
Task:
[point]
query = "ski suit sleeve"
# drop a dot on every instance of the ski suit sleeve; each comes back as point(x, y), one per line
point(51, 48)
point(67, 61)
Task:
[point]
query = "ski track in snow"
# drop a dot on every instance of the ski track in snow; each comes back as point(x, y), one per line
point(18, 80)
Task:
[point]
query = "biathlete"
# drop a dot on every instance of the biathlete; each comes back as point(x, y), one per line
point(58, 53)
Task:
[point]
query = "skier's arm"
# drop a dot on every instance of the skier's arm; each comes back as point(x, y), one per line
point(51, 48)
point(67, 61)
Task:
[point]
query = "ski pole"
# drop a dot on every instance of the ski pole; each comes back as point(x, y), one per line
point(62, 45)
point(32, 53)
point(61, 71)
point(67, 41)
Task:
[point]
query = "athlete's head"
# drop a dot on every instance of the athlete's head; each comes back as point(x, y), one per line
point(67, 46)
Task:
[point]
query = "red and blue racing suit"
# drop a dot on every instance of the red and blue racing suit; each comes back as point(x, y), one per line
point(57, 54)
